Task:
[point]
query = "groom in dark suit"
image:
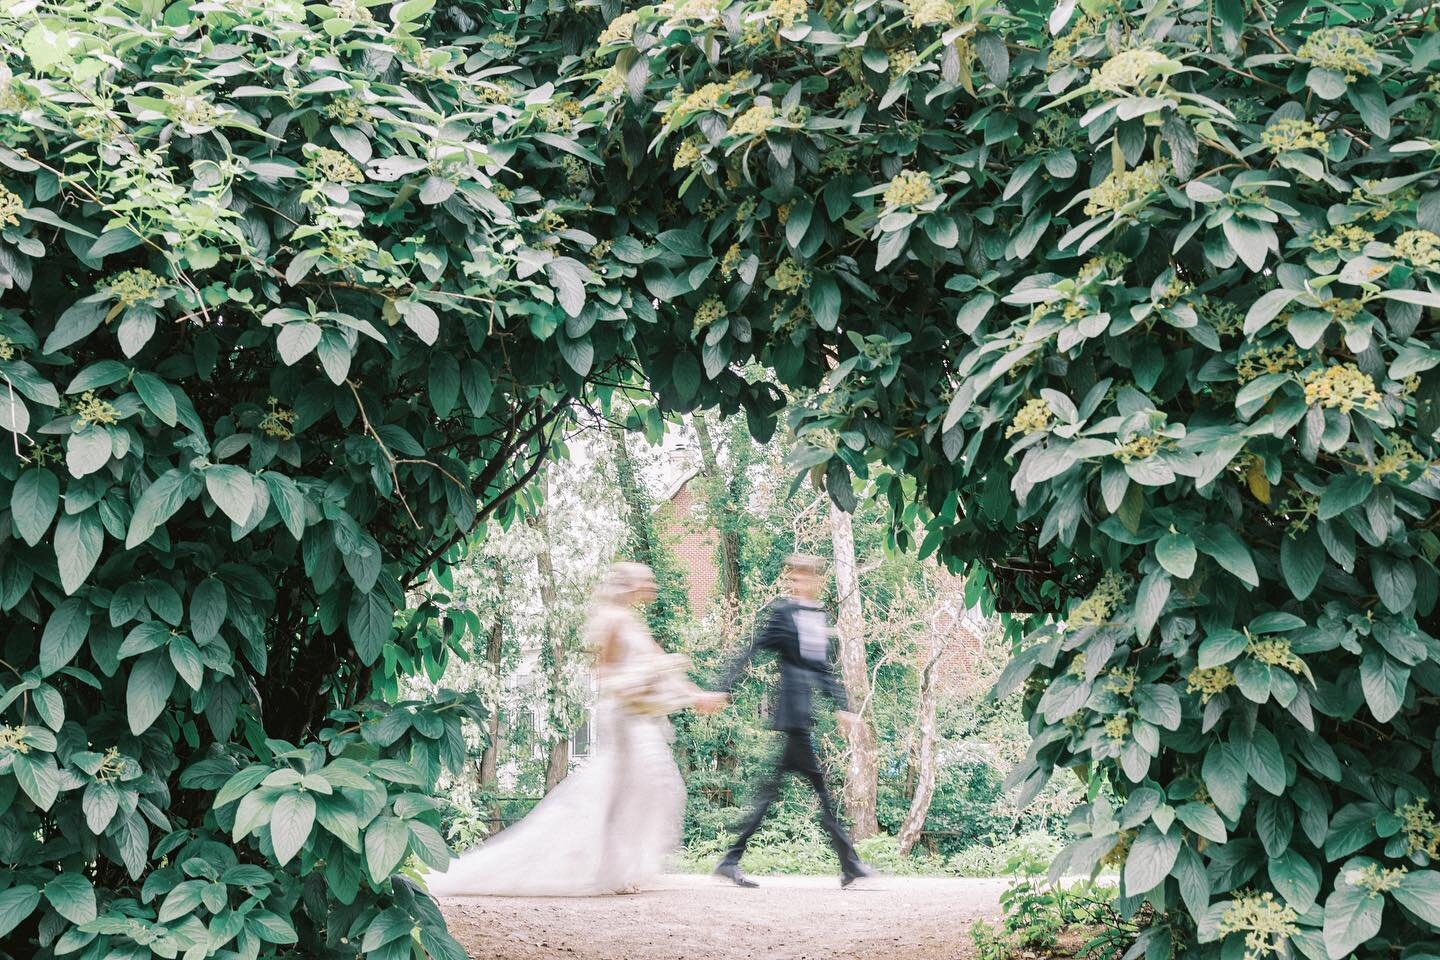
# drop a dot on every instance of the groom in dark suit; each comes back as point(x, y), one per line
point(796, 630)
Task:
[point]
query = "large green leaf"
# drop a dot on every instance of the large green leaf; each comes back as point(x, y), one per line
point(1152, 856)
point(1352, 917)
point(290, 823)
point(33, 502)
point(386, 840)
point(72, 896)
point(152, 678)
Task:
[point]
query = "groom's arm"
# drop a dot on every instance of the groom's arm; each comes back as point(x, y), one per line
point(767, 637)
point(834, 689)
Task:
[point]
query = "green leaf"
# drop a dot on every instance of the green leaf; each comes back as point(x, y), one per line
point(1296, 879)
point(157, 396)
point(1202, 820)
point(1152, 855)
point(444, 383)
point(33, 502)
point(152, 678)
point(39, 777)
point(64, 635)
point(1419, 892)
point(1221, 647)
point(75, 324)
point(1229, 551)
point(1225, 780)
point(1176, 553)
point(1302, 560)
point(16, 904)
point(1352, 917)
point(79, 538)
point(242, 783)
point(370, 622)
point(1159, 704)
point(157, 504)
point(290, 824)
point(1266, 308)
point(1384, 682)
point(1394, 580)
point(1344, 491)
point(578, 354)
point(233, 491)
point(182, 899)
point(685, 374)
point(207, 610)
point(72, 896)
point(390, 925)
point(386, 841)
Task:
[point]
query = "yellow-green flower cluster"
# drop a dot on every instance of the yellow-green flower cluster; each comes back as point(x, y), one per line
point(278, 422)
point(909, 188)
point(1122, 682)
point(112, 767)
point(346, 110)
point(1343, 309)
point(14, 99)
point(786, 12)
point(11, 206)
point(1347, 236)
point(619, 30)
point(1263, 360)
point(92, 411)
point(1223, 315)
point(755, 122)
point(1117, 728)
point(1341, 386)
point(1121, 851)
point(1341, 49)
point(1034, 417)
point(687, 155)
point(129, 287)
point(332, 166)
point(1420, 248)
point(852, 62)
point(1276, 652)
point(708, 312)
point(346, 246)
point(13, 738)
point(502, 91)
point(1077, 665)
point(1285, 135)
point(852, 97)
point(1097, 608)
point(1262, 919)
point(191, 110)
point(1374, 878)
point(702, 99)
point(7, 348)
point(901, 62)
point(577, 173)
point(925, 13)
point(1140, 447)
point(1128, 70)
point(791, 276)
point(611, 85)
point(352, 10)
point(1124, 188)
point(1422, 830)
point(1209, 681)
point(1398, 461)
point(731, 261)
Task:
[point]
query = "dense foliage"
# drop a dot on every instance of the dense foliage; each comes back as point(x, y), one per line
point(1136, 305)
point(1141, 297)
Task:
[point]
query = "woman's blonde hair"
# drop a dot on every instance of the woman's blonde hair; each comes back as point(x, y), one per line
point(622, 580)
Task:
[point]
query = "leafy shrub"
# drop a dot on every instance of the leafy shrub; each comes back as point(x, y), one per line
point(1145, 308)
point(1028, 853)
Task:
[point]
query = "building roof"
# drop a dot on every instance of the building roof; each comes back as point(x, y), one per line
point(672, 491)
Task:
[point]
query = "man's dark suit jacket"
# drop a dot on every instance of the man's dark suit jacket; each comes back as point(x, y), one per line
point(799, 678)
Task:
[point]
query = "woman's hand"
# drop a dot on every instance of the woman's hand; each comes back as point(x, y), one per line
point(711, 702)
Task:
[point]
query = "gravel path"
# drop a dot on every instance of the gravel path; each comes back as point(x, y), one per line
point(683, 917)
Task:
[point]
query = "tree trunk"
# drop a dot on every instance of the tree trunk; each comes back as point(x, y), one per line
point(914, 824)
point(558, 764)
point(946, 617)
point(729, 538)
point(861, 775)
point(489, 776)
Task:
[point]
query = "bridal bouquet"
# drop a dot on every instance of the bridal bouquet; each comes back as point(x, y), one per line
point(653, 686)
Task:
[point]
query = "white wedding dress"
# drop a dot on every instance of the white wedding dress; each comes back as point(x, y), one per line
point(607, 827)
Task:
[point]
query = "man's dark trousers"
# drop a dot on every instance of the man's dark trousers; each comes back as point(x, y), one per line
point(797, 757)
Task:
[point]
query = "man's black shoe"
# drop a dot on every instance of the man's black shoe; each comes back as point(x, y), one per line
point(854, 872)
point(731, 872)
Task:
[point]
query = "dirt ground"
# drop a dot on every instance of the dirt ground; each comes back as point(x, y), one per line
point(684, 917)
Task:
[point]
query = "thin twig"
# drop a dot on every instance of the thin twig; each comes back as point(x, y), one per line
point(389, 457)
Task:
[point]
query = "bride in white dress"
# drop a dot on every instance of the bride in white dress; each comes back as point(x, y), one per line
point(608, 827)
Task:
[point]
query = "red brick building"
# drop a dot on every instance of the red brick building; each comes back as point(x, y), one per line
point(687, 530)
